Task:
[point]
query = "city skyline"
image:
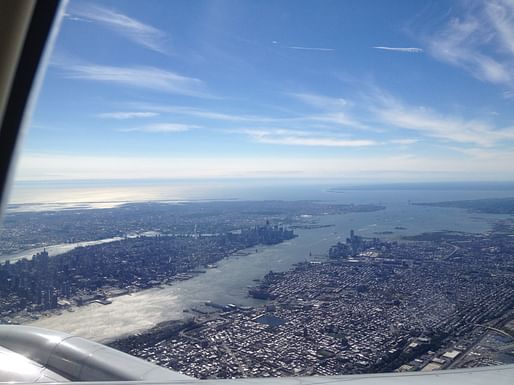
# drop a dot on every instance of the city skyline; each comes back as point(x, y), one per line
point(403, 91)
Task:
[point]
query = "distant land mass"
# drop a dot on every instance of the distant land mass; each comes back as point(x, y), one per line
point(27, 230)
point(433, 186)
point(437, 236)
point(484, 206)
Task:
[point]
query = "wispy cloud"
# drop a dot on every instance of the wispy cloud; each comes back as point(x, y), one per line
point(334, 124)
point(339, 119)
point(302, 48)
point(141, 77)
point(75, 18)
point(200, 113)
point(428, 122)
point(317, 142)
point(304, 138)
point(481, 41)
point(128, 27)
point(379, 110)
point(162, 128)
point(501, 15)
point(400, 49)
point(122, 115)
point(333, 110)
point(321, 101)
point(330, 117)
point(404, 142)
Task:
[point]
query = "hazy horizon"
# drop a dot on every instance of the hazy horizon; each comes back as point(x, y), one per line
point(56, 195)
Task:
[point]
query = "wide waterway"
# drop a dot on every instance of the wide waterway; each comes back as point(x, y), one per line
point(228, 283)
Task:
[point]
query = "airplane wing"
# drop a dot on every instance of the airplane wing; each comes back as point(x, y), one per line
point(34, 355)
point(29, 354)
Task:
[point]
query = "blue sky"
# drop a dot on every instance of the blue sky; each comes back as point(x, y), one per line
point(347, 90)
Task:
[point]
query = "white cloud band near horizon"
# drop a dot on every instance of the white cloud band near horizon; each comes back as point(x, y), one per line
point(33, 167)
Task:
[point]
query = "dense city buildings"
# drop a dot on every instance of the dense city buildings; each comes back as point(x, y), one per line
point(383, 306)
point(430, 301)
point(94, 273)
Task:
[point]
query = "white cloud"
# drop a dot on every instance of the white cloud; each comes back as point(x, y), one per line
point(501, 15)
point(331, 117)
point(400, 49)
point(336, 123)
point(162, 128)
point(140, 77)
point(321, 101)
point(75, 18)
point(128, 27)
point(336, 118)
point(304, 138)
point(317, 142)
point(301, 48)
point(205, 114)
point(335, 110)
point(339, 119)
point(122, 115)
point(481, 41)
point(430, 123)
point(404, 142)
